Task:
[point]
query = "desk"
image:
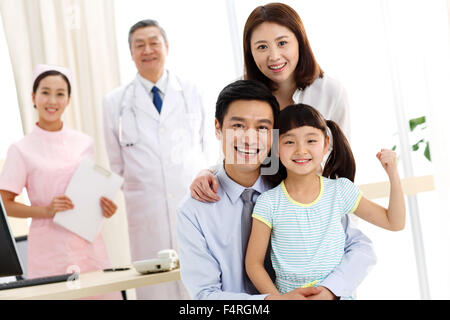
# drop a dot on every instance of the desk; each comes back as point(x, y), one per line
point(90, 284)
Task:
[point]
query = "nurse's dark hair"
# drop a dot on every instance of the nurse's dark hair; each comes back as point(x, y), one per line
point(307, 69)
point(245, 90)
point(143, 24)
point(340, 162)
point(48, 74)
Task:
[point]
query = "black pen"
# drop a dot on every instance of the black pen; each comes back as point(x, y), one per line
point(115, 269)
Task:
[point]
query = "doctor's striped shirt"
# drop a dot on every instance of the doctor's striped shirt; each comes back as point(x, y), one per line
point(307, 239)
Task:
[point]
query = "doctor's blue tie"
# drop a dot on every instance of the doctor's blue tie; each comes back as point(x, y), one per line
point(157, 101)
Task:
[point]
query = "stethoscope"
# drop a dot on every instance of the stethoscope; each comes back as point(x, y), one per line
point(133, 111)
point(132, 108)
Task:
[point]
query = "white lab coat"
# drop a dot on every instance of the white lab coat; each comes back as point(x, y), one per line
point(158, 168)
point(329, 97)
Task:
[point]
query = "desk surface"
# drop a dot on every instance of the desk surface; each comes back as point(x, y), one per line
point(90, 284)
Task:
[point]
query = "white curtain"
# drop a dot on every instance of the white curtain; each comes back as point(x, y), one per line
point(438, 79)
point(80, 35)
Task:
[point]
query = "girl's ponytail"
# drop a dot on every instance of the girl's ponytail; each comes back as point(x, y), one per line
point(340, 163)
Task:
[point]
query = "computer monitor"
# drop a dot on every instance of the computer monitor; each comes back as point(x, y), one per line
point(10, 264)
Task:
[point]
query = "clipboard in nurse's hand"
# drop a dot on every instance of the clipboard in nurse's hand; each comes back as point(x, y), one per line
point(89, 183)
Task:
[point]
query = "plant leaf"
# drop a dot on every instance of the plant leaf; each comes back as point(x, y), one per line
point(426, 153)
point(394, 147)
point(413, 123)
point(415, 146)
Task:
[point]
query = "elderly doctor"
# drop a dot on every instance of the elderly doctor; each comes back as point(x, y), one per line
point(154, 137)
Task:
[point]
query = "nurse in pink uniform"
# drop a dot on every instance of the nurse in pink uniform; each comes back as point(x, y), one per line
point(43, 162)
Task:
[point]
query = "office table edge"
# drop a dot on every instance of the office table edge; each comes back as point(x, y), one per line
point(98, 283)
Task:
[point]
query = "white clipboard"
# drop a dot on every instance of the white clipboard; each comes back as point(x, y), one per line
point(89, 182)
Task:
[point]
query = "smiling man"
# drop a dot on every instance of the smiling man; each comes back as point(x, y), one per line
point(151, 126)
point(212, 236)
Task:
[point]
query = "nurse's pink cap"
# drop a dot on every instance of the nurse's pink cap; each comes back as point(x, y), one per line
point(41, 68)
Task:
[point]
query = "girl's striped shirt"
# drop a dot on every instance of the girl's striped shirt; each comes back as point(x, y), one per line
point(307, 239)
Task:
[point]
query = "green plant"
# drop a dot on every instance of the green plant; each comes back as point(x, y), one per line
point(419, 122)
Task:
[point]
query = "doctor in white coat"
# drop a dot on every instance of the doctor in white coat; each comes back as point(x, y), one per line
point(153, 129)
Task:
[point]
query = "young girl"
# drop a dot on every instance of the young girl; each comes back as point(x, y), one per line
point(43, 162)
point(302, 215)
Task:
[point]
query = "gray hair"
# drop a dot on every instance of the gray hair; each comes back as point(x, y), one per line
point(143, 24)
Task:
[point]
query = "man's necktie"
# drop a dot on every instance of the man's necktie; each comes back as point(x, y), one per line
point(246, 227)
point(246, 218)
point(157, 101)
